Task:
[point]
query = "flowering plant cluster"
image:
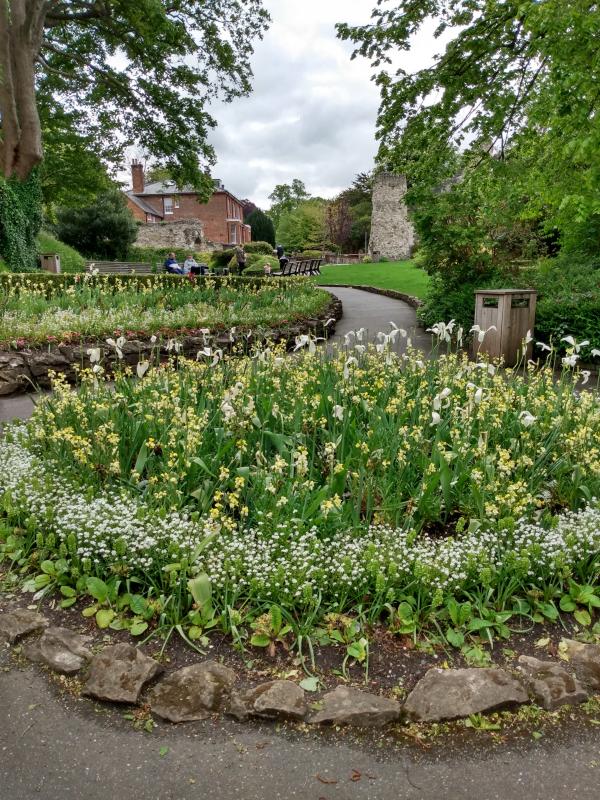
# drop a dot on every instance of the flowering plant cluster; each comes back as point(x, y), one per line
point(320, 479)
point(94, 306)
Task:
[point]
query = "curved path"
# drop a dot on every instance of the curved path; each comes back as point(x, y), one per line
point(58, 748)
point(373, 312)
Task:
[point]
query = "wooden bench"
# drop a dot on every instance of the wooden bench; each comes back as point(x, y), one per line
point(304, 266)
point(119, 268)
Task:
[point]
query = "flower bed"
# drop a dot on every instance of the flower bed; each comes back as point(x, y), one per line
point(364, 482)
point(38, 309)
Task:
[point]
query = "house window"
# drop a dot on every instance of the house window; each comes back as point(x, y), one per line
point(168, 201)
point(233, 233)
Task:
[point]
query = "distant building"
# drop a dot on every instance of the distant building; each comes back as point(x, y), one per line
point(222, 217)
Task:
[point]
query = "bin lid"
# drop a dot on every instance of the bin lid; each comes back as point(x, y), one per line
point(505, 291)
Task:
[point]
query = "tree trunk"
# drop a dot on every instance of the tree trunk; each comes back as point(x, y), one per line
point(21, 30)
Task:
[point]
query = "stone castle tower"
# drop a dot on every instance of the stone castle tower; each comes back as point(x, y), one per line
point(392, 232)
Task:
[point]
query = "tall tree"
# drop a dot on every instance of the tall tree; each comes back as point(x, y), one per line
point(285, 197)
point(104, 229)
point(517, 82)
point(143, 70)
point(262, 227)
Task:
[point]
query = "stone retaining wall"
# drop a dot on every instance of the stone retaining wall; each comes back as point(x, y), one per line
point(28, 369)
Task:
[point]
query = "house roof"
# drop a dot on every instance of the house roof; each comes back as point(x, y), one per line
point(146, 207)
point(159, 188)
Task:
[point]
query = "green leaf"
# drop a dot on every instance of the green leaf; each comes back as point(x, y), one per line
point(455, 638)
point(104, 617)
point(98, 589)
point(48, 567)
point(194, 632)
point(68, 602)
point(567, 604)
point(201, 590)
point(89, 611)
point(583, 617)
point(163, 751)
point(141, 459)
point(68, 591)
point(260, 640)
point(310, 684)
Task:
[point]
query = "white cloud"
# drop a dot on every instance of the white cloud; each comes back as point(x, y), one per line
point(312, 111)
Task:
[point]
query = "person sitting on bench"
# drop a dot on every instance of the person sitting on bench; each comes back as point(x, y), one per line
point(172, 266)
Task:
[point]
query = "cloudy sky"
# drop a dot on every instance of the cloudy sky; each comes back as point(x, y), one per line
point(312, 112)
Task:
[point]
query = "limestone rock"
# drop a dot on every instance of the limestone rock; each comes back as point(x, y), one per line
point(193, 693)
point(453, 693)
point(276, 699)
point(18, 623)
point(346, 706)
point(550, 683)
point(585, 659)
point(118, 674)
point(61, 650)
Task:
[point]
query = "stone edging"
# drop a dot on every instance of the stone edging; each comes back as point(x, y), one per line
point(415, 302)
point(24, 370)
point(120, 674)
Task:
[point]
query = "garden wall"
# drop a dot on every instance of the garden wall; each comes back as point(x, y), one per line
point(180, 235)
point(392, 232)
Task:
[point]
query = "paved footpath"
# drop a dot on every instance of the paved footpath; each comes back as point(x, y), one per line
point(57, 748)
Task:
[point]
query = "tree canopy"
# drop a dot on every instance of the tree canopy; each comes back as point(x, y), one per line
point(105, 229)
point(135, 71)
point(285, 197)
point(512, 103)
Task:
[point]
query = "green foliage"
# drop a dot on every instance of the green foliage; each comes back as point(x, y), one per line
point(259, 247)
point(176, 57)
point(104, 230)
point(43, 308)
point(221, 258)
point(285, 198)
point(303, 227)
point(20, 221)
point(568, 297)
point(311, 254)
point(256, 262)
point(263, 229)
point(70, 259)
point(498, 139)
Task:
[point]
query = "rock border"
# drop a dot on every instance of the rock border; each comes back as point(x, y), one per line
point(120, 673)
point(24, 370)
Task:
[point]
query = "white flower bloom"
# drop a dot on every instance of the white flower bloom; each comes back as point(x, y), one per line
point(574, 344)
point(142, 368)
point(543, 346)
point(481, 333)
point(570, 361)
point(338, 412)
point(435, 418)
point(585, 374)
point(94, 353)
point(526, 419)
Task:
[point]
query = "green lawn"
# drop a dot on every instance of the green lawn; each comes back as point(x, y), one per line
point(402, 276)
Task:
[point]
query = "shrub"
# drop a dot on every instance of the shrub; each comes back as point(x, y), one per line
point(70, 259)
point(104, 230)
point(221, 258)
point(255, 259)
point(367, 260)
point(311, 254)
point(259, 247)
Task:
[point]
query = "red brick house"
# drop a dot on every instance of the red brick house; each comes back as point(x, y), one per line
point(222, 216)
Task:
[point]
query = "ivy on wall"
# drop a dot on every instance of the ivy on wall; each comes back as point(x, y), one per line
point(20, 221)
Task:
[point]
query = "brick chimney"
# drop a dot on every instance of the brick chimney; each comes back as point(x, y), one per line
point(137, 176)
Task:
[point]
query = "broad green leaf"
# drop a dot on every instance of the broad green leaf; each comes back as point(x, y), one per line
point(104, 617)
point(98, 589)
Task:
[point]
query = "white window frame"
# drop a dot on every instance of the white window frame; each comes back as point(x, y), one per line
point(233, 230)
point(168, 209)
